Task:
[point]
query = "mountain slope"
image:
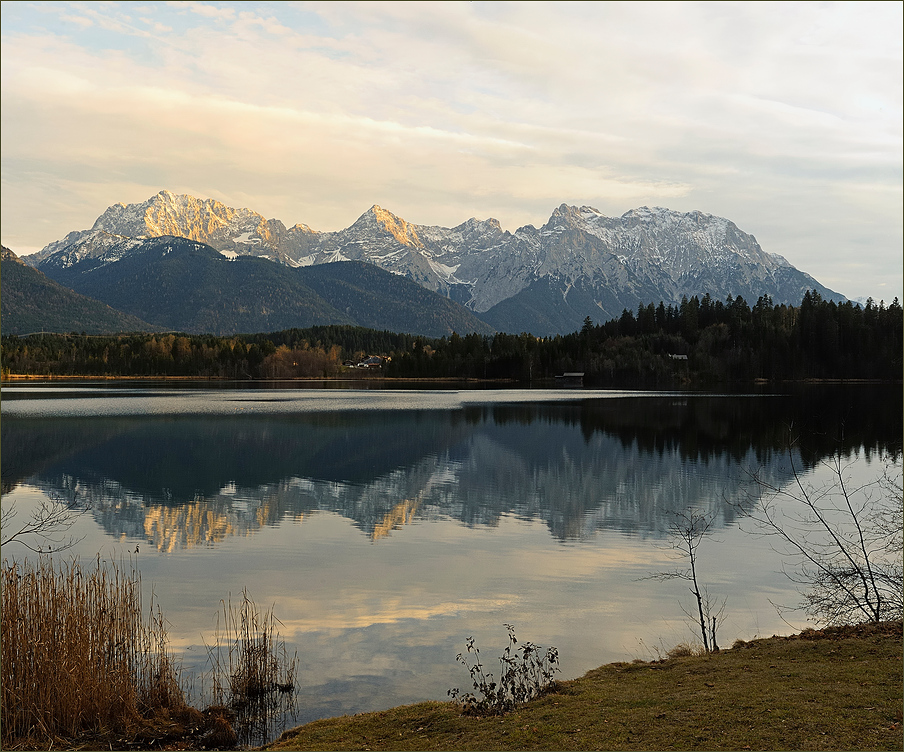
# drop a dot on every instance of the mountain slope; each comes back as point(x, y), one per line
point(180, 284)
point(545, 308)
point(378, 300)
point(580, 263)
point(183, 285)
point(593, 265)
point(32, 302)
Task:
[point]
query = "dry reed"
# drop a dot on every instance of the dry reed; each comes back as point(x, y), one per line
point(77, 656)
point(251, 672)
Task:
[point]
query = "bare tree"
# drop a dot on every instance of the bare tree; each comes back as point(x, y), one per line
point(686, 532)
point(844, 539)
point(45, 529)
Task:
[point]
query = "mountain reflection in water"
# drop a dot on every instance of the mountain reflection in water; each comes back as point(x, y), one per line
point(195, 480)
point(387, 527)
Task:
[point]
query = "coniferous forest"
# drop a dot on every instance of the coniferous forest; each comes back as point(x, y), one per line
point(700, 342)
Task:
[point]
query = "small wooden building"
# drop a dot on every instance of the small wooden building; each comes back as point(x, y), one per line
point(573, 379)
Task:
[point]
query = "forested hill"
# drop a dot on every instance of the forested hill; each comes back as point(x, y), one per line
point(32, 302)
point(701, 342)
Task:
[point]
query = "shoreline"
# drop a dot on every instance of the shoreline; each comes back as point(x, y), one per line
point(220, 379)
point(370, 376)
point(758, 694)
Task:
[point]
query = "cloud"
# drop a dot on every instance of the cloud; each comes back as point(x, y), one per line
point(78, 20)
point(156, 25)
point(205, 10)
point(440, 111)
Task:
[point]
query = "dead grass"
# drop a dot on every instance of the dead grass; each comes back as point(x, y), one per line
point(77, 655)
point(251, 673)
point(835, 689)
point(686, 650)
point(82, 668)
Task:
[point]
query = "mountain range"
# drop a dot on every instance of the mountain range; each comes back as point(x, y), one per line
point(176, 284)
point(543, 280)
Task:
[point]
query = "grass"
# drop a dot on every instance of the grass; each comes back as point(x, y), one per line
point(251, 674)
point(77, 655)
point(834, 689)
point(83, 669)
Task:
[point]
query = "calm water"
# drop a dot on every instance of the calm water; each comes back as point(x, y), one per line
point(385, 527)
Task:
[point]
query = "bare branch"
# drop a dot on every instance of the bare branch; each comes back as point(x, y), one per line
point(686, 532)
point(44, 531)
point(843, 539)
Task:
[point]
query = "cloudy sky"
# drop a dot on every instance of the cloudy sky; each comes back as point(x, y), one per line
point(784, 117)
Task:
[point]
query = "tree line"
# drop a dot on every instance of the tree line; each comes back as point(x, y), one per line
point(699, 342)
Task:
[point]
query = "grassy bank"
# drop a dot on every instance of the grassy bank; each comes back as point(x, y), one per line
point(821, 690)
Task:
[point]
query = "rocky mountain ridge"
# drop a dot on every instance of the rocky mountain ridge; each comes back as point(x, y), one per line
point(580, 263)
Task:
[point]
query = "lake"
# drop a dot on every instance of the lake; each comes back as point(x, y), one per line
point(386, 526)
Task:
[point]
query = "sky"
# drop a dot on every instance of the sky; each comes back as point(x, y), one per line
point(785, 118)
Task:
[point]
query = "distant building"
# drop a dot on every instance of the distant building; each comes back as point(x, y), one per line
point(572, 379)
point(374, 361)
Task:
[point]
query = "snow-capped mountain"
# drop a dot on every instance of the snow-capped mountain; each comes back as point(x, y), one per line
point(580, 263)
point(230, 231)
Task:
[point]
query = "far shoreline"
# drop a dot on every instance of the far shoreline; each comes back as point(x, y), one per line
point(12, 377)
point(375, 377)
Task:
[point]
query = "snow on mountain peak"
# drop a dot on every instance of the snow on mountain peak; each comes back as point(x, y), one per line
point(403, 232)
point(654, 214)
point(204, 220)
point(647, 253)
